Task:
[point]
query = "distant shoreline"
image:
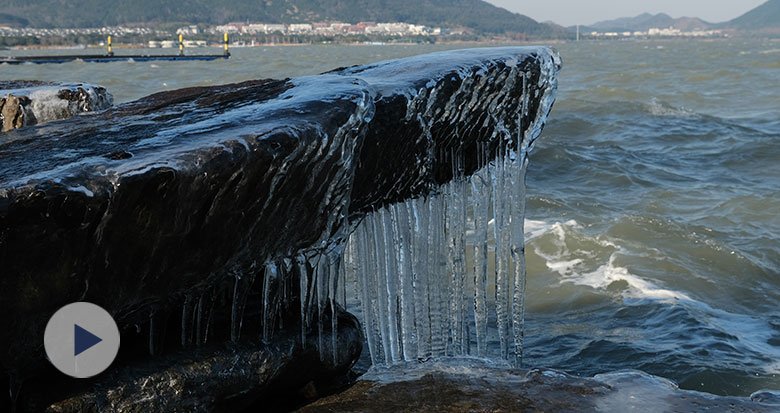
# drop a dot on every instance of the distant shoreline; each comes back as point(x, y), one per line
point(454, 42)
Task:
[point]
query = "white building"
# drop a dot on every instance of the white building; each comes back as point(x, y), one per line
point(188, 30)
point(300, 28)
point(272, 28)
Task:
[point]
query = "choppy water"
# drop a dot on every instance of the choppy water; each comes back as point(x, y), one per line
point(654, 200)
point(655, 205)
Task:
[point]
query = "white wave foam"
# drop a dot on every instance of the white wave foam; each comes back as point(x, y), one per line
point(661, 109)
point(752, 333)
point(47, 105)
point(535, 229)
point(638, 289)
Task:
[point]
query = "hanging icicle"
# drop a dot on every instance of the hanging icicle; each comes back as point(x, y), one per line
point(444, 275)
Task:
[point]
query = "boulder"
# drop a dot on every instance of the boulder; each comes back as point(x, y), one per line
point(217, 377)
point(26, 103)
point(235, 200)
point(13, 113)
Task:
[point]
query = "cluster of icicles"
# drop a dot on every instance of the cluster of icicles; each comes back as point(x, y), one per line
point(444, 275)
point(439, 275)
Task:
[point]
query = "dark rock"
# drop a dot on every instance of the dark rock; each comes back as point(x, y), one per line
point(224, 377)
point(153, 205)
point(473, 385)
point(28, 102)
point(467, 108)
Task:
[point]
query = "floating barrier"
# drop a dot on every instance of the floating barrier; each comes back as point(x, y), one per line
point(111, 57)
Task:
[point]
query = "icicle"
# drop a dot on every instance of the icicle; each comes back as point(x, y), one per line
point(382, 293)
point(286, 281)
point(199, 322)
point(186, 321)
point(334, 261)
point(271, 276)
point(341, 284)
point(420, 276)
point(481, 196)
point(156, 332)
point(14, 388)
point(503, 259)
point(322, 274)
point(235, 317)
point(403, 239)
point(303, 277)
point(388, 251)
point(437, 283)
point(455, 228)
point(367, 280)
point(518, 256)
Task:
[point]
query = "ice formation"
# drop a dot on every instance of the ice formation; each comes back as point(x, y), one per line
point(443, 274)
point(218, 212)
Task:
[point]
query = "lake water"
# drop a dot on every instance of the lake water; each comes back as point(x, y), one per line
point(653, 199)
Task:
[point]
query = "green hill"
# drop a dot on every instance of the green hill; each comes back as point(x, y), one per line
point(475, 14)
point(765, 16)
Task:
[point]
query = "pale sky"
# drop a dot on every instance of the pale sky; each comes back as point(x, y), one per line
point(571, 12)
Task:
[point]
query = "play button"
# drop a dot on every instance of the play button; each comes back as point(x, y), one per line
point(81, 339)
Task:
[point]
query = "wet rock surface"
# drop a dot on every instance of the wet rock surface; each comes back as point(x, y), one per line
point(226, 197)
point(473, 385)
point(250, 375)
point(28, 102)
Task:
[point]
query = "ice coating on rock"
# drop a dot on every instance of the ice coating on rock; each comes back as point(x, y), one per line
point(236, 201)
point(444, 273)
point(43, 102)
point(472, 384)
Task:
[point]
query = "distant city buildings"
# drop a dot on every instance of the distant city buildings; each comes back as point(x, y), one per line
point(658, 32)
point(8, 31)
point(159, 38)
point(188, 30)
point(330, 29)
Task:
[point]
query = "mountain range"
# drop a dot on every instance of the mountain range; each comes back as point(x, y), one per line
point(477, 15)
point(646, 21)
point(765, 17)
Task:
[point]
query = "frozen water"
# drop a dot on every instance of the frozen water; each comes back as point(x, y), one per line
point(443, 274)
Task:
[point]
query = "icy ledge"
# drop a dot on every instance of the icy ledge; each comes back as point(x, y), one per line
point(219, 214)
point(26, 103)
point(468, 384)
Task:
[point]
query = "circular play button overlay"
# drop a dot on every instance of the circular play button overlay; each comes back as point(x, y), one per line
point(81, 339)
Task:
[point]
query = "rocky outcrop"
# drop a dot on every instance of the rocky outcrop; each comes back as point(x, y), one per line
point(232, 202)
point(474, 385)
point(26, 103)
point(221, 377)
point(13, 112)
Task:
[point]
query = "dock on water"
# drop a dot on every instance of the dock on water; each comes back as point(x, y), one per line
point(111, 57)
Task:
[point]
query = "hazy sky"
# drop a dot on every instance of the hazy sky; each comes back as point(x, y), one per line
point(571, 12)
